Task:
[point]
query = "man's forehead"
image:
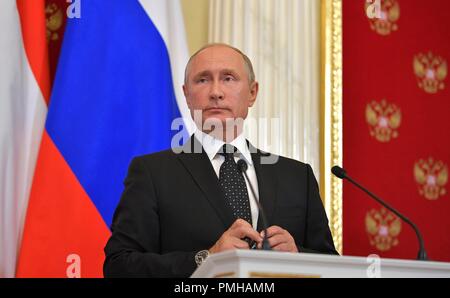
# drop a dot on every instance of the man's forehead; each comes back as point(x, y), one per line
point(216, 58)
point(217, 55)
point(217, 49)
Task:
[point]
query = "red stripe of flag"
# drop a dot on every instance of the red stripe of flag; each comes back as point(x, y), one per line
point(62, 223)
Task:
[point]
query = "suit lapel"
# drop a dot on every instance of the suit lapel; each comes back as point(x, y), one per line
point(202, 171)
point(267, 185)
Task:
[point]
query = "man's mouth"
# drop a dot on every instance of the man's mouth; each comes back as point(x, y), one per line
point(214, 109)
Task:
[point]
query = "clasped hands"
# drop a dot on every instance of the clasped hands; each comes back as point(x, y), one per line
point(279, 239)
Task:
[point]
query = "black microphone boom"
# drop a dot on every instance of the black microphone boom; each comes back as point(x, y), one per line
point(242, 166)
point(341, 173)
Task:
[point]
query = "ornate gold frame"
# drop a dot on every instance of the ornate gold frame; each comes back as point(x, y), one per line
point(331, 113)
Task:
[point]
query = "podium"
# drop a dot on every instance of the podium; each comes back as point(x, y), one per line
point(271, 264)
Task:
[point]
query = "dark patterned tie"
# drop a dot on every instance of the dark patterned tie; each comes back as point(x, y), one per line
point(233, 185)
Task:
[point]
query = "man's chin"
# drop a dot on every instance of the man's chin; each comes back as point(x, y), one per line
point(222, 124)
point(219, 117)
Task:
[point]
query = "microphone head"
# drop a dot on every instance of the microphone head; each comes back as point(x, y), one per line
point(339, 172)
point(242, 165)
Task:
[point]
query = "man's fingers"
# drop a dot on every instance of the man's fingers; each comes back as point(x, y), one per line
point(281, 247)
point(239, 223)
point(240, 244)
point(278, 239)
point(286, 246)
point(272, 231)
point(241, 229)
point(242, 232)
point(228, 242)
point(233, 243)
point(275, 240)
point(234, 237)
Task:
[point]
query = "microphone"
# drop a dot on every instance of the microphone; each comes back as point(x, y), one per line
point(242, 166)
point(342, 174)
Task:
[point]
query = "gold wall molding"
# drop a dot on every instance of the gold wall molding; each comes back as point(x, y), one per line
point(331, 113)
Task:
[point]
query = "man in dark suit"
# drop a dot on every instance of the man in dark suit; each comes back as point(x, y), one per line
point(181, 205)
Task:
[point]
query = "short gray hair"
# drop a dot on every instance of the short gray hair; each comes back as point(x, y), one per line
point(247, 62)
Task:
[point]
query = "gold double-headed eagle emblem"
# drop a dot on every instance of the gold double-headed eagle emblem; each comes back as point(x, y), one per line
point(383, 228)
point(388, 17)
point(431, 71)
point(54, 19)
point(384, 119)
point(432, 177)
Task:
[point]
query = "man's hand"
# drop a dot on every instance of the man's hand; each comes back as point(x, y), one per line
point(280, 239)
point(232, 238)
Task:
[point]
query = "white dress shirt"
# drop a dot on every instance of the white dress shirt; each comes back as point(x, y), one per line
point(212, 146)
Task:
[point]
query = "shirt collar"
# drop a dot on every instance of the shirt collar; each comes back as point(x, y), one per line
point(212, 145)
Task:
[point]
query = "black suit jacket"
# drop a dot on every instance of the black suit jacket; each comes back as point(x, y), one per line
point(172, 207)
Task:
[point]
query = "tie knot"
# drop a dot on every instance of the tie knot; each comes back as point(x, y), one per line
point(228, 151)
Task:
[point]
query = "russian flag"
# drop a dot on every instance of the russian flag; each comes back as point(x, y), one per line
point(116, 92)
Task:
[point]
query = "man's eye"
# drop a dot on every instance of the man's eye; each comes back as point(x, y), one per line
point(202, 80)
point(229, 78)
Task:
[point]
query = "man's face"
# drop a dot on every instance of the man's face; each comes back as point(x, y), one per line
point(218, 84)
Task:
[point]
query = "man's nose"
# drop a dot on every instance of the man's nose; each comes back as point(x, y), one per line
point(216, 92)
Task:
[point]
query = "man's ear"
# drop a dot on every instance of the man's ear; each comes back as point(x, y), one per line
point(254, 88)
point(186, 93)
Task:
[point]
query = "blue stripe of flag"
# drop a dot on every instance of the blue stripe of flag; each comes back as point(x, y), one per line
point(113, 96)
